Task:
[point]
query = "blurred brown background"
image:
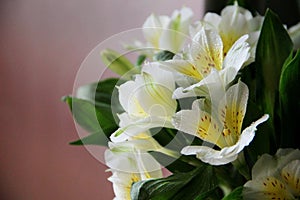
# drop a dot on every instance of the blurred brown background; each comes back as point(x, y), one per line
point(42, 46)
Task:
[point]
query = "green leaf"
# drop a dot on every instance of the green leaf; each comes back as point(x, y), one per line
point(103, 94)
point(175, 140)
point(92, 119)
point(196, 184)
point(290, 101)
point(164, 55)
point(181, 164)
point(118, 63)
point(141, 59)
point(236, 194)
point(274, 46)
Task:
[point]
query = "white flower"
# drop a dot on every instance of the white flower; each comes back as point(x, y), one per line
point(147, 102)
point(130, 163)
point(275, 177)
point(294, 33)
point(233, 23)
point(221, 126)
point(168, 33)
point(205, 55)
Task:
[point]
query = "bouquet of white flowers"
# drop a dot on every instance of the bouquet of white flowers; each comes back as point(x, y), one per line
point(210, 100)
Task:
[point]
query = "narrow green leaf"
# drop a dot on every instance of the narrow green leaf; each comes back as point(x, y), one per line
point(236, 194)
point(118, 63)
point(274, 46)
point(141, 59)
point(196, 184)
point(290, 101)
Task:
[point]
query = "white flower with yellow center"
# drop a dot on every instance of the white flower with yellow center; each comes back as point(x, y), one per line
point(233, 23)
point(205, 55)
point(129, 163)
point(168, 33)
point(275, 177)
point(147, 102)
point(221, 127)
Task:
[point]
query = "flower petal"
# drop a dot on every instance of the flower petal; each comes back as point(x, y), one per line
point(174, 35)
point(153, 27)
point(291, 175)
point(232, 109)
point(212, 19)
point(294, 33)
point(139, 126)
point(124, 157)
point(238, 54)
point(182, 66)
point(226, 154)
point(208, 155)
point(267, 165)
point(266, 188)
point(207, 51)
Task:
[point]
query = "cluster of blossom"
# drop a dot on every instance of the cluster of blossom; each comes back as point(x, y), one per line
point(209, 54)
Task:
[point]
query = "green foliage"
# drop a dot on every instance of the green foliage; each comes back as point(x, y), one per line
point(274, 46)
point(140, 60)
point(196, 184)
point(118, 63)
point(236, 194)
point(164, 55)
point(92, 111)
point(103, 94)
point(290, 101)
point(273, 81)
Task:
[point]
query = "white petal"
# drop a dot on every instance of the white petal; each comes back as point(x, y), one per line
point(180, 92)
point(182, 66)
point(208, 155)
point(233, 9)
point(125, 95)
point(227, 75)
point(139, 126)
point(213, 19)
point(128, 167)
point(268, 165)
point(294, 33)
point(291, 175)
point(159, 75)
point(227, 154)
point(143, 145)
point(122, 159)
point(255, 23)
point(249, 133)
point(207, 51)
point(124, 119)
point(185, 15)
point(153, 27)
point(238, 54)
point(212, 86)
point(175, 34)
point(233, 106)
point(266, 188)
point(156, 98)
point(187, 121)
